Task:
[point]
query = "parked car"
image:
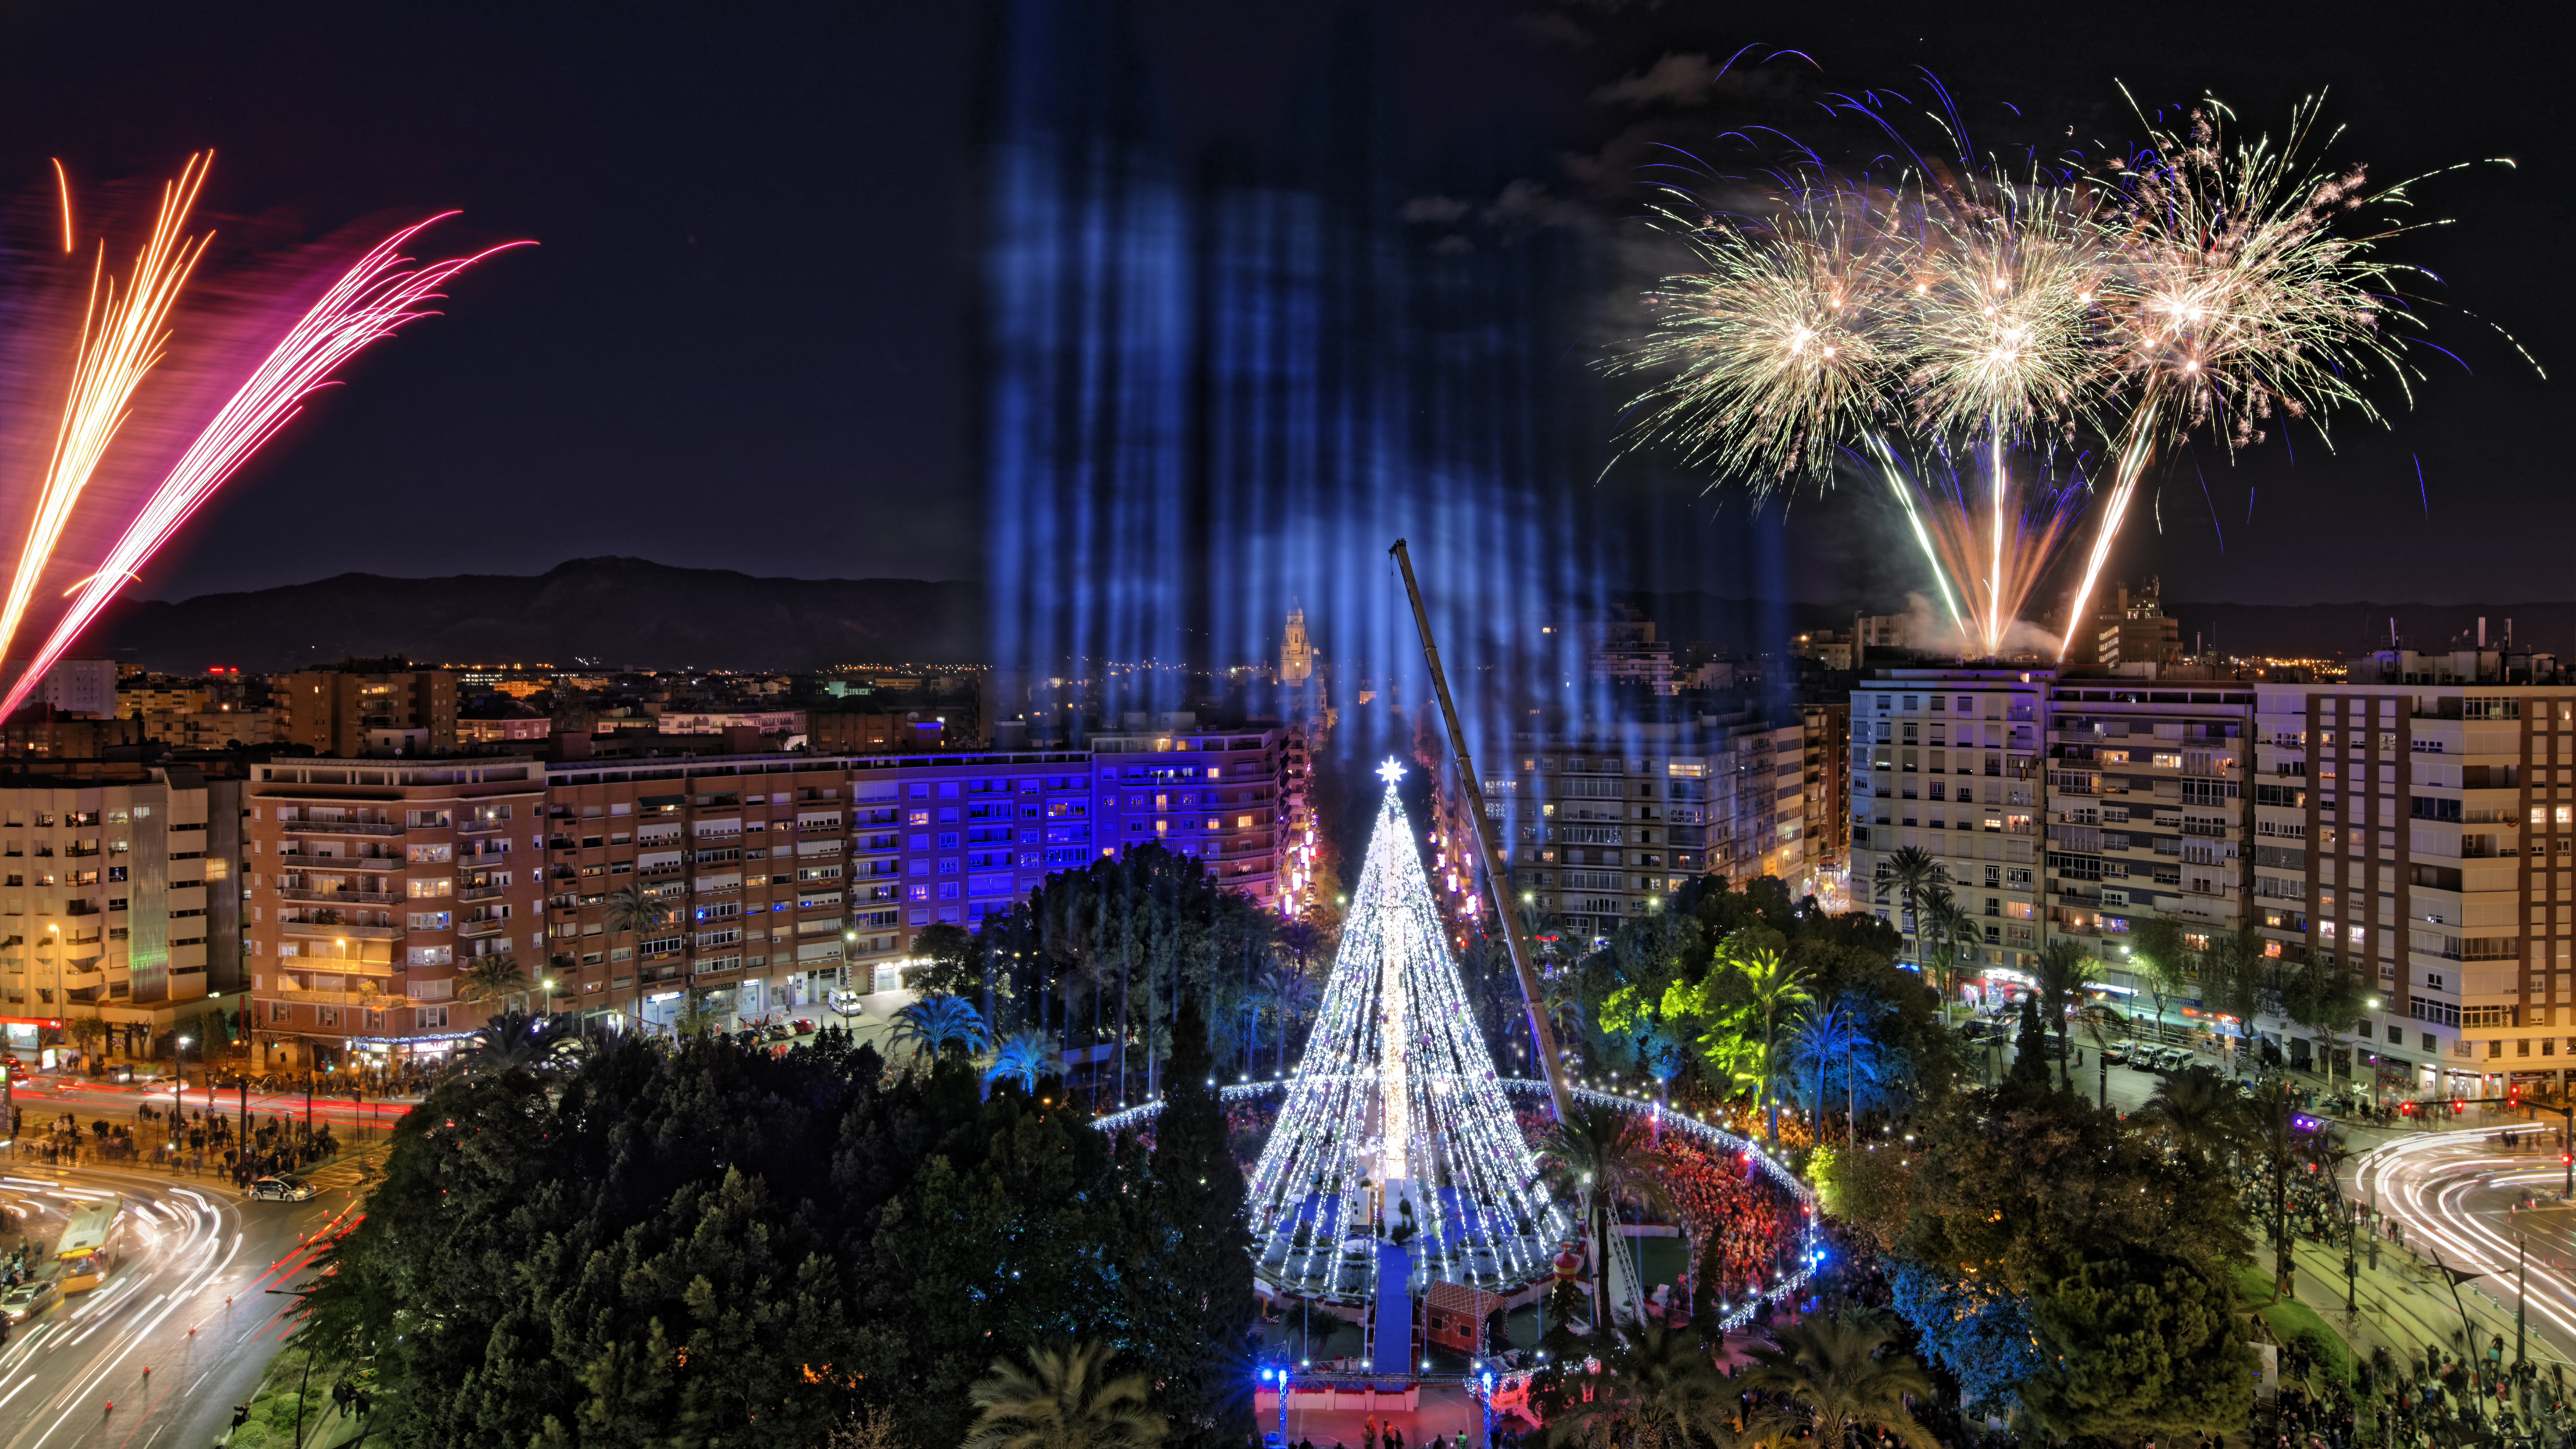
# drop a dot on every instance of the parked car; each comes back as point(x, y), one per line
point(29, 1299)
point(778, 1031)
point(804, 1026)
point(280, 1188)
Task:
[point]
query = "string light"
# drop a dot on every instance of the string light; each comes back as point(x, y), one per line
point(1396, 1114)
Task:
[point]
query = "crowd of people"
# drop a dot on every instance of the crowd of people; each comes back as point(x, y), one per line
point(1744, 1227)
point(193, 1140)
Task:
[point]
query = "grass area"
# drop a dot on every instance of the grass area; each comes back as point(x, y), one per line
point(272, 1411)
point(2288, 1318)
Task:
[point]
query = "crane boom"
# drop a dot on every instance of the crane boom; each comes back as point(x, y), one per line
point(1542, 1035)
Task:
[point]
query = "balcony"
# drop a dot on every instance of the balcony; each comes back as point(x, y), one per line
point(482, 893)
point(481, 928)
point(375, 999)
point(340, 827)
point(355, 898)
point(337, 932)
point(481, 827)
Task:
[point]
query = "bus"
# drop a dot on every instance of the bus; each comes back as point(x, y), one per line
point(91, 1245)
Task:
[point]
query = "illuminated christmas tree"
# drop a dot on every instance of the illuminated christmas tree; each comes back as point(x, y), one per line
point(1396, 1161)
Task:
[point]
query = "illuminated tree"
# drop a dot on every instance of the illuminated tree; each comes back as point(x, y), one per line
point(1395, 1119)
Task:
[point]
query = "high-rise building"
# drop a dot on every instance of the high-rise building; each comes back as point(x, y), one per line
point(374, 886)
point(83, 687)
point(784, 879)
point(1296, 652)
point(2412, 823)
point(362, 708)
point(120, 903)
point(2148, 814)
point(1600, 824)
point(2422, 834)
point(2136, 630)
point(1946, 761)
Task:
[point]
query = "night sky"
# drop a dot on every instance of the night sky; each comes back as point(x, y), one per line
point(742, 342)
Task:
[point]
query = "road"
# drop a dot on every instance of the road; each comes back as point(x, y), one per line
point(2460, 1196)
point(185, 1327)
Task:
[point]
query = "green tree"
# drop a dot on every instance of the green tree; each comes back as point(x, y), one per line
point(2198, 1114)
point(953, 960)
point(492, 978)
point(514, 1041)
point(1772, 989)
point(2161, 959)
point(1597, 1153)
point(1915, 871)
point(631, 910)
point(2062, 973)
point(1199, 1194)
point(1660, 1386)
point(1064, 1399)
point(2147, 1345)
point(1839, 1376)
point(2325, 997)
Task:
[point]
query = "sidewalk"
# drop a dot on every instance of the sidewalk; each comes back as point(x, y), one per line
point(2404, 1303)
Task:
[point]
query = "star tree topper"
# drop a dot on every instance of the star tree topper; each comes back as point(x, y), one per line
point(1390, 772)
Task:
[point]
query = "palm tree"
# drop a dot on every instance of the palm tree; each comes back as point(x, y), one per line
point(1063, 1400)
point(935, 1024)
point(1825, 1038)
point(1024, 1059)
point(1955, 928)
point(491, 978)
point(2197, 1112)
point(1840, 1376)
point(514, 1041)
point(1660, 1387)
point(1595, 1152)
point(1774, 986)
point(2062, 972)
point(1290, 990)
point(1914, 871)
point(631, 910)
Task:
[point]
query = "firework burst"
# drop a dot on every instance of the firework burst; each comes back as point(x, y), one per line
point(1783, 345)
point(124, 333)
point(2239, 303)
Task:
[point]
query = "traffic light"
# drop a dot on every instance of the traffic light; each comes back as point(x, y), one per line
point(2458, 1106)
point(2405, 1109)
point(2513, 1095)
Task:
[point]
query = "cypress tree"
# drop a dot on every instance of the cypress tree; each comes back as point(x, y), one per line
point(2030, 1049)
point(1199, 1197)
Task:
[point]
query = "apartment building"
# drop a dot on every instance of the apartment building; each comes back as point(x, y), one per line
point(218, 727)
point(784, 878)
point(372, 885)
point(2423, 833)
point(1946, 761)
point(1598, 825)
point(85, 688)
point(1224, 797)
point(367, 708)
point(1825, 740)
point(120, 903)
point(2147, 812)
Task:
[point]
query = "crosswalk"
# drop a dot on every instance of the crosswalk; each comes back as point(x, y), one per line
point(349, 1171)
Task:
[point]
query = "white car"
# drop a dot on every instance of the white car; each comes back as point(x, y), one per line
point(28, 1299)
point(280, 1189)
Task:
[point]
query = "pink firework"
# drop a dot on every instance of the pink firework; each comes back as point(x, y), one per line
point(384, 290)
